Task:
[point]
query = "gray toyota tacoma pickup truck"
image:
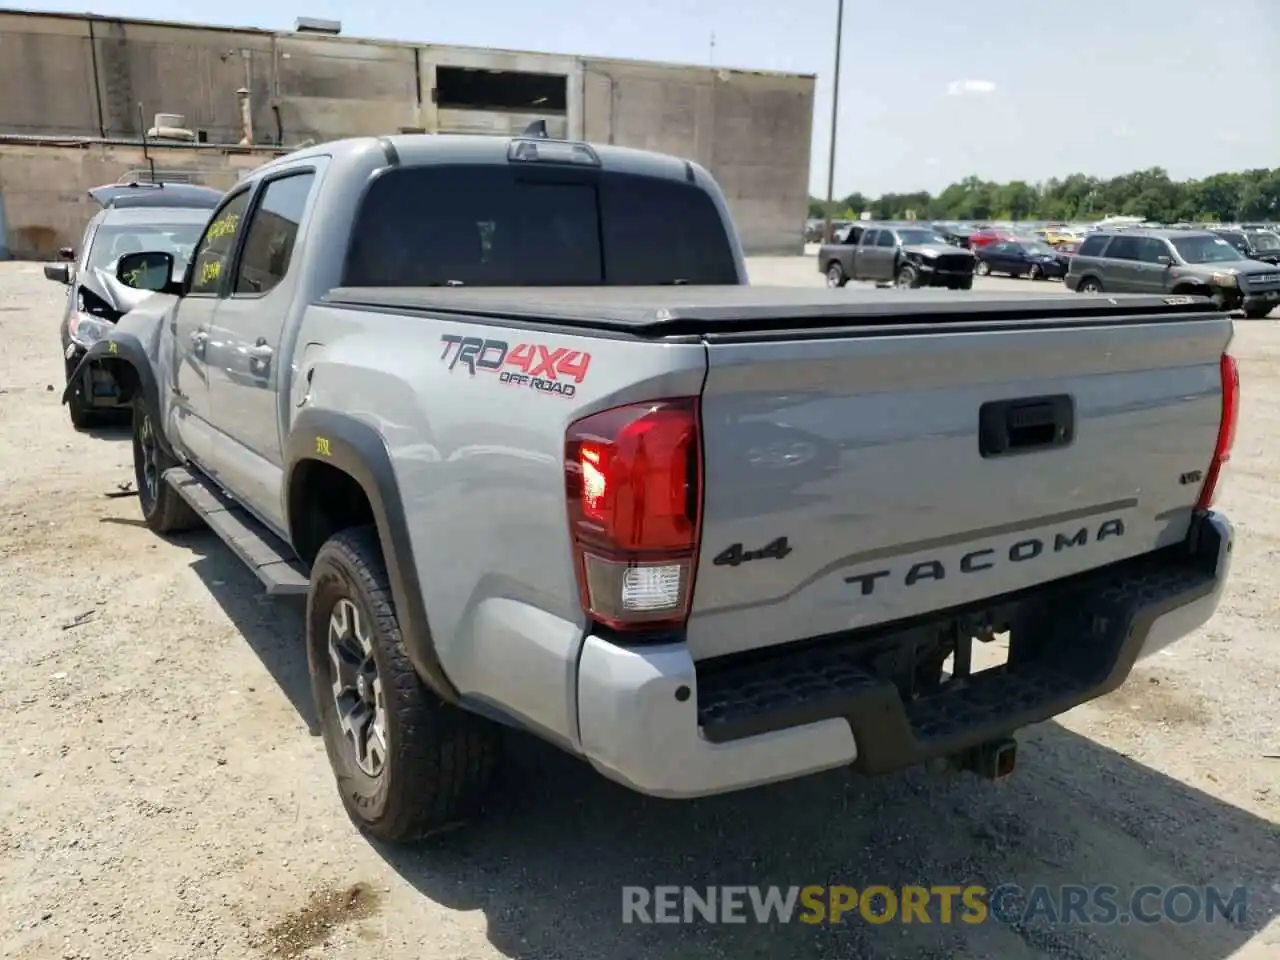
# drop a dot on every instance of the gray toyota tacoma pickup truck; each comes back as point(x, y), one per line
point(508, 414)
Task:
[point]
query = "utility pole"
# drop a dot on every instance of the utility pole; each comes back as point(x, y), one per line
point(835, 108)
point(711, 61)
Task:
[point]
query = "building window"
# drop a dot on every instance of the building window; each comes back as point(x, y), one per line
point(464, 88)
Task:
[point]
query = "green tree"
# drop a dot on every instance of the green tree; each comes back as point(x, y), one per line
point(1222, 197)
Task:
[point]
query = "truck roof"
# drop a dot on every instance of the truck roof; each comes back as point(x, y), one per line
point(688, 310)
point(420, 149)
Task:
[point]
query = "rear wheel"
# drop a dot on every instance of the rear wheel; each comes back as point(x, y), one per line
point(163, 508)
point(407, 763)
point(1089, 285)
point(1257, 313)
point(965, 284)
point(835, 275)
point(982, 268)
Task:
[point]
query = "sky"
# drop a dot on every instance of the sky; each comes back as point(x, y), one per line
point(931, 91)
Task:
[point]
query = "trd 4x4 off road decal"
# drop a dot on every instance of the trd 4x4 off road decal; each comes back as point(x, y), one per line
point(538, 366)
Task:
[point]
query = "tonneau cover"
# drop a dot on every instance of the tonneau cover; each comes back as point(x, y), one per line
point(677, 310)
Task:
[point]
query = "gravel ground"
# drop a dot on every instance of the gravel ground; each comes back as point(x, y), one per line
point(164, 795)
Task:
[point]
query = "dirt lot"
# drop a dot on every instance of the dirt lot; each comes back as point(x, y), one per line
point(163, 797)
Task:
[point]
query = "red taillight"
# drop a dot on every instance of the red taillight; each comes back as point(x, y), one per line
point(633, 482)
point(1226, 430)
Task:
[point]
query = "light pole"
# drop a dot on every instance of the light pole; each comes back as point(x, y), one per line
point(835, 107)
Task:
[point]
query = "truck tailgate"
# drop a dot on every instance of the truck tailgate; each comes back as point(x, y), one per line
point(915, 471)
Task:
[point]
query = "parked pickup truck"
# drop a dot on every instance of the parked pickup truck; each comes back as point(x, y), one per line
point(508, 414)
point(905, 256)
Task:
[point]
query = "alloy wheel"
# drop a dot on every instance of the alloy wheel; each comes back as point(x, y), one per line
point(150, 459)
point(357, 688)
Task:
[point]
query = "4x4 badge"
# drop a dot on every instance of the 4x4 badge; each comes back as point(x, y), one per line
point(735, 555)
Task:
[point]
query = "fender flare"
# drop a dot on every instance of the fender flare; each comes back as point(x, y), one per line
point(119, 347)
point(358, 450)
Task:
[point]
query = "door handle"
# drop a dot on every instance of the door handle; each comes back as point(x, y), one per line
point(260, 358)
point(1025, 425)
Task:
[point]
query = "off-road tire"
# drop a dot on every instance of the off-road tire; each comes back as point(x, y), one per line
point(163, 508)
point(982, 268)
point(1258, 313)
point(439, 758)
point(835, 275)
point(965, 284)
point(907, 278)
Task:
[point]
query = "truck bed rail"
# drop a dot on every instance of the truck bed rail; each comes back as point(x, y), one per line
point(733, 311)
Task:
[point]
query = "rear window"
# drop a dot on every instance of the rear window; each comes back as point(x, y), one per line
point(495, 226)
point(1092, 246)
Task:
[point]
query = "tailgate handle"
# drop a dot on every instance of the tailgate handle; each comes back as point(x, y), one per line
point(1026, 425)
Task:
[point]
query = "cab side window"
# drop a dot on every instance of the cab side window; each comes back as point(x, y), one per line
point(213, 252)
point(869, 238)
point(273, 228)
point(886, 239)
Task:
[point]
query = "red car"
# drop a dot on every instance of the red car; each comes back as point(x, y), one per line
point(988, 236)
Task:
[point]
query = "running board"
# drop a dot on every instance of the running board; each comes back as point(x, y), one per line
point(260, 549)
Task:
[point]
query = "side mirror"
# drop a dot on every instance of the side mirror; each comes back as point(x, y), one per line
point(1164, 261)
point(145, 271)
point(58, 272)
point(66, 253)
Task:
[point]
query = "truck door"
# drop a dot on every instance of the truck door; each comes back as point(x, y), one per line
point(254, 370)
point(865, 257)
point(195, 347)
point(1152, 275)
point(886, 256)
point(1123, 271)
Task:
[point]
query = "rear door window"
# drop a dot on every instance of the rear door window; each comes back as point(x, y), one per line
point(1123, 248)
point(273, 228)
point(493, 226)
point(1092, 247)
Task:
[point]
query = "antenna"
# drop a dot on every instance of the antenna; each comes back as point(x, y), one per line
point(536, 129)
point(712, 60)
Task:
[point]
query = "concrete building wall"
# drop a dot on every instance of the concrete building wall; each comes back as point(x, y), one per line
point(46, 76)
point(752, 131)
point(68, 75)
point(44, 189)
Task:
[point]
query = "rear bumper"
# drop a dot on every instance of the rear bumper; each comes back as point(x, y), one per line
point(650, 718)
